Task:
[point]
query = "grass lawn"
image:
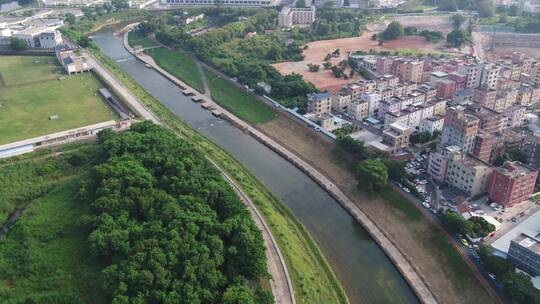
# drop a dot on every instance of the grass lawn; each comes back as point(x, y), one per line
point(240, 103)
point(45, 257)
point(312, 277)
point(181, 65)
point(30, 93)
point(135, 38)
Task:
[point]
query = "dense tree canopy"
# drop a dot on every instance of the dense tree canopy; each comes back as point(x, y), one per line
point(372, 175)
point(169, 227)
point(393, 31)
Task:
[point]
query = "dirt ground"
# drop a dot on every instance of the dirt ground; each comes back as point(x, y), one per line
point(412, 237)
point(317, 50)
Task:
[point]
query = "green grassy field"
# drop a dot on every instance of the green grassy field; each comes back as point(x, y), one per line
point(31, 92)
point(312, 277)
point(134, 38)
point(181, 65)
point(240, 103)
point(45, 257)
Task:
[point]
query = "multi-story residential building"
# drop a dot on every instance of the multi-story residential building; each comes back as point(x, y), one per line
point(341, 101)
point(389, 105)
point(459, 129)
point(512, 183)
point(490, 75)
point(383, 65)
point(428, 90)
point(439, 106)
point(297, 15)
point(485, 96)
point(535, 74)
point(432, 124)
point(367, 86)
point(524, 253)
point(396, 137)
point(489, 121)
point(358, 110)
point(483, 146)
point(515, 115)
point(241, 3)
point(408, 70)
point(439, 159)
point(459, 79)
point(468, 174)
point(525, 92)
point(530, 147)
point(437, 76)
point(34, 36)
point(319, 103)
point(473, 72)
point(446, 88)
point(372, 99)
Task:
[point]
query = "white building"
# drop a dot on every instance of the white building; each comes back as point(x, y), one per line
point(473, 71)
point(50, 39)
point(432, 124)
point(293, 16)
point(490, 75)
point(372, 99)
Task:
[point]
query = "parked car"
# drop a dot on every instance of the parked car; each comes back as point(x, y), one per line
point(514, 219)
point(464, 242)
point(426, 205)
point(406, 190)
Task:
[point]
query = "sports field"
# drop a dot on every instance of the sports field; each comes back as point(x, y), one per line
point(33, 88)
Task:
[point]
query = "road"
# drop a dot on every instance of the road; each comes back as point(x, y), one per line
point(132, 102)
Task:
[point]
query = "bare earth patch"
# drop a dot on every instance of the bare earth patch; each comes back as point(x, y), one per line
point(414, 238)
point(317, 50)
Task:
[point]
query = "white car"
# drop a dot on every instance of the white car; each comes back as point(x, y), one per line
point(479, 212)
point(426, 205)
point(406, 190)
point(428, 199)
point(473, 205)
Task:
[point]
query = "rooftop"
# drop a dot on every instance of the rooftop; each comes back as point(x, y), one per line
point(529, 242)
point(514, 169)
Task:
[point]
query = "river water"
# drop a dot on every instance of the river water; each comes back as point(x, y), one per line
point(365, 272)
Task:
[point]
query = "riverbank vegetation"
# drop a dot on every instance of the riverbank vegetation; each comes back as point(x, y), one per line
point(123, 205)
point(312, 277)
point(241, 103)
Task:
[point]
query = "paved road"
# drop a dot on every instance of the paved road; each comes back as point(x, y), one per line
point(128, 97)
point(281, 282)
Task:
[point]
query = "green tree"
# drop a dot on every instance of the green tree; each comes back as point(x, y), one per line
point(485, 8)
point(238, 294)
point(371, 175)
point(448, 5)
point(396, 169)
point(519, 288)
point(453, 222)
point(410, 31)
point(300, 3)
point(18, 44)
point(70, 18)
point(513, 10)
point(393, 31)
point(457, 38)
point(84, 41)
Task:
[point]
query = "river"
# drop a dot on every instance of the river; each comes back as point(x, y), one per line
point(365, 272)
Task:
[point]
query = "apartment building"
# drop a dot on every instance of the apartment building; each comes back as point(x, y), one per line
point(358, 110)
point(372, 99)
point(490, 75)
point(432, 124)
point(439, 106)
point(297, 15)
point(396, 137)
point(515, 116)
point(459, 79)
point(530, 147)
point(489, 121)
point(319, 103)
point(334, 3)
point(341, 101)
point(389, 105)
point(446, 88)
point(483, 146)
point(408, 70)
point(50, 39)
point(524, 253)
point(383, 65)
point(439, 159)
point(473, 72)
point(468, 174)
point(459, 129)
point(429, 91)
point(485, 96)
point(512, 183)
point(236, 3)
point(535, 74)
